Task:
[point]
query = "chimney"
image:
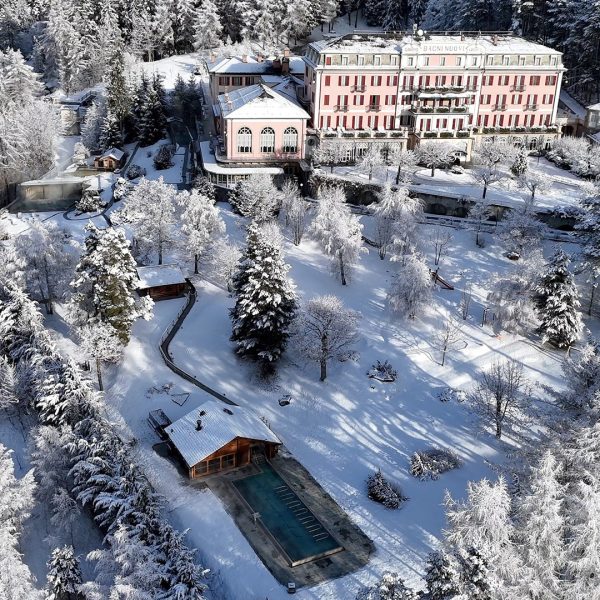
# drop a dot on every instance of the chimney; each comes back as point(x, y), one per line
point(260, 58)
point(244, 58)
point(286, 52)
point(198, 424)
point(285, 66)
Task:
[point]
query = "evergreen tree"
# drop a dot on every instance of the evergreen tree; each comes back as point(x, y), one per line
point(374, 11)
point(18, 83)
point(111, 133)
point(265, 300)
point(474, 580)
point(558, 303)
point(519, 167)
point(106, 282)
point(394, 16)
point(184, 15)
point(259, 21)
point(589, 225)
point(91, 128)
point(207, 27)
point(418, 9)
point(441, 577)
point(152, 121)
point(118, 98)
point(64, 575)
point(390, 587)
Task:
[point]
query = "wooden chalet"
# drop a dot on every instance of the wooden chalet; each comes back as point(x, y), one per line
point(216, 437)
point(111, 160)
point(161, 282)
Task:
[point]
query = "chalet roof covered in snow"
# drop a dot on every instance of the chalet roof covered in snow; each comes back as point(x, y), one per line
point(369, 43)
point(159, 275)
point(259, 102)
point(113, 153)
point(220, 424)
point(250, 65)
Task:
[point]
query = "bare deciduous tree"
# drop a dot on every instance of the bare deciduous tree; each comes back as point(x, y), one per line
point(325, 330)
point(435, 155)
point(441, 239)
point(500, 391)
point(465, 299)
point(448, 337)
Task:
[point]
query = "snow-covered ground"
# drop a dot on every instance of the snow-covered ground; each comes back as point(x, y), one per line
point(562, 188)
point(343, 429)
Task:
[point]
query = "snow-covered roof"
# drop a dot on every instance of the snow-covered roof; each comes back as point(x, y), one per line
point(210, 164)
point(234, 65)
point(157, 275)
point(113, 153)
point(220, 424)
point(52, 181)
point(572, 104)
point(594, 106)
point(259, 102)
point(433, 43)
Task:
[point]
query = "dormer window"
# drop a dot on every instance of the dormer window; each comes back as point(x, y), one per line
point(361, 60)
point(344, 60)
point(377, 59)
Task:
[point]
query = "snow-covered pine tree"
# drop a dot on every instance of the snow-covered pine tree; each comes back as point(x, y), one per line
point(184, 13)
point(259, 21)
point(338, 231)
point(395, 15)
point(582, 374)
point(105, 284)
point(111, 133)
point(64, 575)
point(519, 166)
point(256, 198)
point(388, 212)
point(374, 11)
point(100, 342)
point(558, 303)
point(474, 576)
point(161, 28)
point(589, 226)
point(418, 9)
point(265, 301)
point(201, 223)
point(207, 27)
point(91, 128)
point(390, 587)
point(540, 531)
point(152, 120)
point(18, 82)
point(118, 97)
point(441, 577)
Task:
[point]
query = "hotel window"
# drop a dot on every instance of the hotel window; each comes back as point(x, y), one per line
point(458, 61)
point(377, 59)
point(326, 100)
point(426, 61)
point(551, 80)
point(490, 60)
point(474, 61)
point(267, 140)
point(522, 61)
point(534, 80)
point(394, 60)
point(410, 61)
point(442, 61)
point(328, 60)
point(506, 60)
point(236, 81)
point(244, 140)
point(344, 60)
point(538, 60)
point(223, 80)
point(361, 60)
point(554, 60)
point(376, 80)
point(327, 80)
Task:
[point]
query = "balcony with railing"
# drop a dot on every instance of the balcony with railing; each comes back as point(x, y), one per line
point(499, 107)
point(341, 108)
point(517, 88)
point(531, 107)
point(359, 88)
point(361, 134)
point(373, 107)
point(438, 109)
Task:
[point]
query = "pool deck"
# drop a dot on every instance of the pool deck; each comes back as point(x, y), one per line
point(357, 546)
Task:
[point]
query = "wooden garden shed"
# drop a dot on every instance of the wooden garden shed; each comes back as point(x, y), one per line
point(216, 437)
point(111, 160)
point(161, 282)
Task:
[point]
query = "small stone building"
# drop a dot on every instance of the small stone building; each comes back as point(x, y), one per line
point(216, 437)
point(111, 160)
point(161, 282)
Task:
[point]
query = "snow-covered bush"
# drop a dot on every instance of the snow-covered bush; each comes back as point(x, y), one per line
point(390, 587)
point(383, 371)
point(121, 189)
point(90, 201)
point(410, 290)
point(381, 490)
point(135, 171)
point(163, 159)
point(448, 394)
point(431, 463)
point(577, 155)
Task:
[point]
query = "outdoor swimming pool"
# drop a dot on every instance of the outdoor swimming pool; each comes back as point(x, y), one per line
point(294, 527)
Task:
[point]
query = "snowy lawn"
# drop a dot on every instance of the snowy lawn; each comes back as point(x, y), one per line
point(144, 157)
point(345, 428)
point(562, 187)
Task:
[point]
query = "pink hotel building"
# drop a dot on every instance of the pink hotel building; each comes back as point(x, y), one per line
point(394, 88)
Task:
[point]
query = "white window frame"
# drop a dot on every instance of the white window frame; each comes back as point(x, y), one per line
point(267, 140)
point(442, 61)
point(344, 60)
point(361, 59)
point(377, 60)
point(244, 144)
point(290, 140)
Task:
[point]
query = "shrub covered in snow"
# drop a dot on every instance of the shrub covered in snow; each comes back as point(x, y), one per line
point(122, 188)
point(135, 171)
point(90, 201)
point(382, 491)
point(383, 371)
point(163, 159)
point(429, 464)
point(448, 394)
point(390, 587)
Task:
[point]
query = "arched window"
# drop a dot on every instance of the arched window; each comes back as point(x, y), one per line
point(290, 140)
point(267, 140)
point(244, 140)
